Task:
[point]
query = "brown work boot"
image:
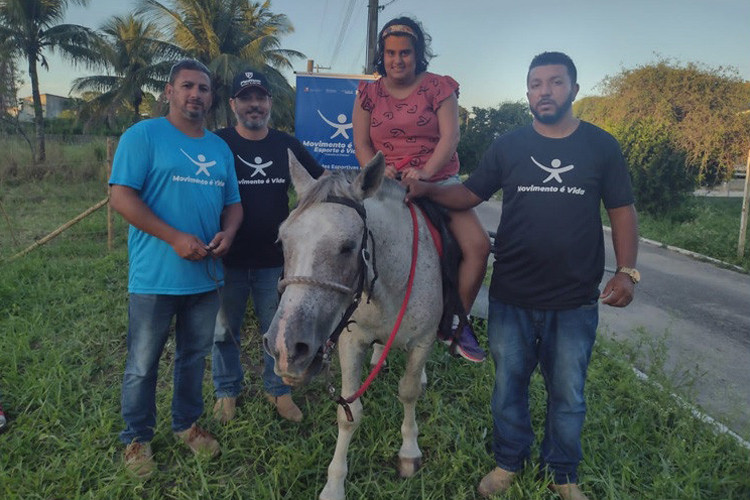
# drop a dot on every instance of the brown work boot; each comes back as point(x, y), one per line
point(225, 409)
point(139, 460)
point(286, 407)
point(569, 491)
point(498, 480)
point(199, 440)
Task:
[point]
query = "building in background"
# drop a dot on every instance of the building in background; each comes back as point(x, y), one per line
point(52, 106)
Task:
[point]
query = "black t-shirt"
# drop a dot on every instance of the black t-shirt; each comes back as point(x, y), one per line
point(550, 245)
point(263, 175)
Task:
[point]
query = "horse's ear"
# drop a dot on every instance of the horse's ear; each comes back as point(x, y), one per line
point(370, 178)
point(301, 178)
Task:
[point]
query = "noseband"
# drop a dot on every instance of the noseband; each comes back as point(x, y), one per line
point(364, 259)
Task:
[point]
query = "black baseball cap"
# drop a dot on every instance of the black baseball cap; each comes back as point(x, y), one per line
point(249, 78)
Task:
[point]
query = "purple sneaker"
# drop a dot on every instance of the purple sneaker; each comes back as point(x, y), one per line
point(468, 347)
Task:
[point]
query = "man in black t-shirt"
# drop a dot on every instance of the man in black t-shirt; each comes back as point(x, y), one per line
point(255, 261)
point(549, 261)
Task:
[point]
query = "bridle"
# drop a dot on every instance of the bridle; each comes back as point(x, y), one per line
point(364, 259)
point(326, 350)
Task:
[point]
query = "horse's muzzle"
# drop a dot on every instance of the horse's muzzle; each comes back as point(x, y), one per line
point(299, 368)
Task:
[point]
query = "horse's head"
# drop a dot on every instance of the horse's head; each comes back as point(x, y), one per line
point(322, 243)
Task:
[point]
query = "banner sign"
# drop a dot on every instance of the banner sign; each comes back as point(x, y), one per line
point(323, 117)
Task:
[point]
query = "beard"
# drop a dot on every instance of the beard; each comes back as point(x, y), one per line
point(257, 123)
point(195, 113)
point(557, 115)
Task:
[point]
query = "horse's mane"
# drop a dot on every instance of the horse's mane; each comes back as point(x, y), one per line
point(338, 184)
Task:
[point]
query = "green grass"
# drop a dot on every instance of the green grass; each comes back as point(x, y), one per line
point(64, 347)
point(709, 226)
point(63, 317)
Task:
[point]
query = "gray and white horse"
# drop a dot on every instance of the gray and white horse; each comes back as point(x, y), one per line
point(323, 238)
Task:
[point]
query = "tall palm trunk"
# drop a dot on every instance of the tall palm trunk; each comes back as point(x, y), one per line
point(41, 154)
point(137, 100)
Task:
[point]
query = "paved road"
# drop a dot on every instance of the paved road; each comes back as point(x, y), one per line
point(696, 312)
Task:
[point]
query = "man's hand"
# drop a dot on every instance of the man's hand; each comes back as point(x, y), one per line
point(190, 247)
point(415, 188)
point(219, 246)
point(619, 291)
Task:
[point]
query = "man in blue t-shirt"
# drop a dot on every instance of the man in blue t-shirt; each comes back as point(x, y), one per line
point(549, 261)
point(254, 264)
point(174, 182)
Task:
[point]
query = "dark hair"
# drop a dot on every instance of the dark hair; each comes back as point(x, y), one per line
point(189, 64)
point(421, 43)
point(547, 58)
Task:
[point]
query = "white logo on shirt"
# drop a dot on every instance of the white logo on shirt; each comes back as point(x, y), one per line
point(202, 164)
point(341, 127)
point(554, 171)
point(258, 167)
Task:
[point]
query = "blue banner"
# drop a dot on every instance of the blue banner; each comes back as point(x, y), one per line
point(323, 117)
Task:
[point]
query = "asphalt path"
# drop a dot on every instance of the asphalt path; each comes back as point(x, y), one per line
point(690, 316)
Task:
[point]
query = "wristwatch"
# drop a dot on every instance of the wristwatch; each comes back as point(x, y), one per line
point(635, 276)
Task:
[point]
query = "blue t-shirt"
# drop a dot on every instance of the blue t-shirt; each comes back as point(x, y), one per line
point(549, 249)
point(186, 182)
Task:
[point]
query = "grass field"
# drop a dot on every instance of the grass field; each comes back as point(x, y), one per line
point(708, 226)
point(63, 317)
point(63, 322)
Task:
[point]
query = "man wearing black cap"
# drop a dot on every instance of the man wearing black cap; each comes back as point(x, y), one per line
point(254, 263)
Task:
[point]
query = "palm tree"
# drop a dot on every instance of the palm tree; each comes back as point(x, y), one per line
point(227, 36)
point(131, 48)
point(29, 27)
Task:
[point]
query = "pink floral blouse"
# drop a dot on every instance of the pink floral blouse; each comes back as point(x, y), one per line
point(406, 130)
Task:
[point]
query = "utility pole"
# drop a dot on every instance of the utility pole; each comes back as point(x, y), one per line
point(745, 210)
point(372, 34)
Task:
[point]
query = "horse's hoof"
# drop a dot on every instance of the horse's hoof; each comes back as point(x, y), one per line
point(407, 467)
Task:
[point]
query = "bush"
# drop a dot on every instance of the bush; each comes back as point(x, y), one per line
point(657, 166)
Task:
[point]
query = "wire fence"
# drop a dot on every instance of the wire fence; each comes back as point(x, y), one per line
point(66, 198)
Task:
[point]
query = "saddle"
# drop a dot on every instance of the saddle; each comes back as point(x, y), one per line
point(437, 218)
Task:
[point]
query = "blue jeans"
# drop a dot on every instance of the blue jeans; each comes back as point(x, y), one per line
point(239, 285)
point(560, 342)
point(150, 317)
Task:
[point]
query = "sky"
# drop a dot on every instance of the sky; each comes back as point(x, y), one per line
point(486, 45)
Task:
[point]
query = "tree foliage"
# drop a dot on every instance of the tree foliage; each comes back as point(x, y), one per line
point(699, 109)
point(30, 27)
point(657, 166)
point(136, 60)
point(228, 36)
point(483, 125)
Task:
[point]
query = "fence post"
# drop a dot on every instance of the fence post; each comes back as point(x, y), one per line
point(110, 226)
point(743, 218)
point(62, 228)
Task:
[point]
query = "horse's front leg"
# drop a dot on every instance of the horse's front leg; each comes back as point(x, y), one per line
point(409, 390)
point(377, 351)
point(351, 355)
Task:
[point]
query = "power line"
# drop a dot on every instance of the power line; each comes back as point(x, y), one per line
point(345, 23)
point(322, 26)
